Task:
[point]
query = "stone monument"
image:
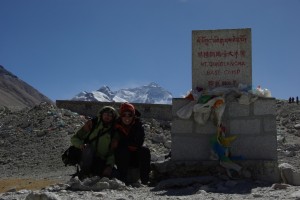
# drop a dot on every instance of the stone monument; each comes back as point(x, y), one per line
point(221, 58)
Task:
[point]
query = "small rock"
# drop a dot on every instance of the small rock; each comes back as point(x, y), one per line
point(289, 153)
point(12, 190)
point(42, 196)
point(297, 126)
point(256, 195)
point(296, 195)
point(279, 186)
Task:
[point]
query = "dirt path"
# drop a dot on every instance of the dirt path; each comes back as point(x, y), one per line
point(16, 184)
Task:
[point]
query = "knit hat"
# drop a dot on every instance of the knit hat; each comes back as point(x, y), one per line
point(127, 107)
point(108, 109)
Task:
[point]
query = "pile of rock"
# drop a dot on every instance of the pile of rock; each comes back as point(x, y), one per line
point(32, 140)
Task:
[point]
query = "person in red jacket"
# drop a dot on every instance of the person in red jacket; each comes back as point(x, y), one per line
point(130, 152)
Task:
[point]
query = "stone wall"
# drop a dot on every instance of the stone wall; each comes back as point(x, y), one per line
point(90, 108)
point(254, 125)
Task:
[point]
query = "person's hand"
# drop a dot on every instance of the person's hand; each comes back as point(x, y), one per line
point(82, 146)
point(132, 148)
point(114, 144)
point(107, 171)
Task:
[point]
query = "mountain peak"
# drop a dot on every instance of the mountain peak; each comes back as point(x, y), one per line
point(3, 71)
point(104, 87)
point(153, 84)
point(106, 90)
point(151, 93)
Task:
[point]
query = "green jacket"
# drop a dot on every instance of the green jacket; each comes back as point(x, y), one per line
point(104, 150)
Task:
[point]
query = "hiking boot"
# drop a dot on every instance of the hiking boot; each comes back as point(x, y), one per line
point(136, 184)
point(145, 183)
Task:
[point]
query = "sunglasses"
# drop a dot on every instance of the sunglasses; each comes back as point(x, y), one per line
point(108, 114)
point(127, 115)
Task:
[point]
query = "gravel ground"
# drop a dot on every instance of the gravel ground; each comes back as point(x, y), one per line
point(32, 141)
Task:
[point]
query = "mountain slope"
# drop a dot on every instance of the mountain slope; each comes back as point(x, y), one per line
point(151, 93)
point(17, 94)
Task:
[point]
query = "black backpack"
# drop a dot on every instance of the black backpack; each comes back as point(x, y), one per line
point(72, 155)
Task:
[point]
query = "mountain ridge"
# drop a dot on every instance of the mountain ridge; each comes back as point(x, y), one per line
point(151, 93)
point(17, 94)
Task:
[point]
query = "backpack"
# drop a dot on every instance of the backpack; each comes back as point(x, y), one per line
point(72, 155)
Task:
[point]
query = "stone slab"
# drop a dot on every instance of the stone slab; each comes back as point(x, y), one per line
point(182, 126)
point(190, 147)
point(266, 106)
point(235, 109)
point(254, 147)
point(245, 126)
point(221, 58)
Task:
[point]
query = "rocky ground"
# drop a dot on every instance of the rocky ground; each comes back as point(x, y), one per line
point(32, 141)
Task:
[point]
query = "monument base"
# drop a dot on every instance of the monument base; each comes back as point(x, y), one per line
point(251, 169)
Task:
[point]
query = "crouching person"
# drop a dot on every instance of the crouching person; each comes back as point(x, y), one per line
point(95, 140)
point(130, 152)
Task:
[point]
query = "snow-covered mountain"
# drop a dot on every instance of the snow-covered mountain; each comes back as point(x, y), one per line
point(151, 93)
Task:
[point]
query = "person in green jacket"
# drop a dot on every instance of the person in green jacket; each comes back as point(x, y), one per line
point(96, 141)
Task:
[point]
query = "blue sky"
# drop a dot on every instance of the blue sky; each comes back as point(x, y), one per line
point(62, 47)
